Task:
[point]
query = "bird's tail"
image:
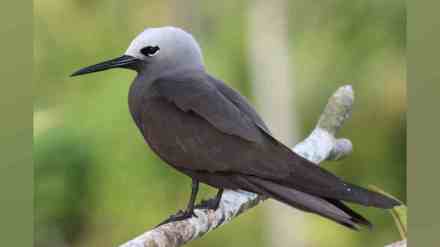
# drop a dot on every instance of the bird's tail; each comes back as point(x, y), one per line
point(329, 208)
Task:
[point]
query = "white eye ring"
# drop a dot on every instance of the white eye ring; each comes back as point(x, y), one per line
point(150, 51)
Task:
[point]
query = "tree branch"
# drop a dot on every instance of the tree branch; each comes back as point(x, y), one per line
point(320, 145)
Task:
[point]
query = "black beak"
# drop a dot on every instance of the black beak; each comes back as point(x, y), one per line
point(120, 62)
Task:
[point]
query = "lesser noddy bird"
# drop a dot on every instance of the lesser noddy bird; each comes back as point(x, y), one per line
point(208, 131)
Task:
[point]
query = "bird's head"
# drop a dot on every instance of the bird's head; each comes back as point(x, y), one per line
point(155, 49)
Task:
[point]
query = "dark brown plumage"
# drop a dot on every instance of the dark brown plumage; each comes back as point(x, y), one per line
point(208, 131)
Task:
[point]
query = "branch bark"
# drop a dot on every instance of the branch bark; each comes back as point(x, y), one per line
point(320, 145)
point(398, 244)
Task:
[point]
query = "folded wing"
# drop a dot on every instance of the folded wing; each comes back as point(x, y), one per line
point(237, 128)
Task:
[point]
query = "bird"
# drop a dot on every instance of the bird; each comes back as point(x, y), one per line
point(208, 131)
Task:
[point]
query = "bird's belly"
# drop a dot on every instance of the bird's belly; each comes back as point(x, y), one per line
point(187, 141)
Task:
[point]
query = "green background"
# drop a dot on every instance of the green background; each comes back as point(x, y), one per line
point(97, 184)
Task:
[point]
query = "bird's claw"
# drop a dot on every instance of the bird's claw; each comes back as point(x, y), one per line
point(211, 204)
point(179, 216)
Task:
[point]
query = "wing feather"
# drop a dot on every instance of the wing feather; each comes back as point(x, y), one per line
point(195, 93)
point(232, 138)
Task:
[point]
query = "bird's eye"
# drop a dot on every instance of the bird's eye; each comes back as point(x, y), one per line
point(150, 51)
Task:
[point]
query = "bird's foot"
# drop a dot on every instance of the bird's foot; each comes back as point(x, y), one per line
point(179, 216)
point(212, 204)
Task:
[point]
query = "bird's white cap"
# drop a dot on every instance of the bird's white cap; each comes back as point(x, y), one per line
point(175, 46)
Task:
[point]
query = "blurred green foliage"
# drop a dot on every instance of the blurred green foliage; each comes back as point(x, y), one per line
point(62, 176)
point(97, 183)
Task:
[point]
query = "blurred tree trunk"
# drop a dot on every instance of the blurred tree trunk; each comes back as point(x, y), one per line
point(273, 86)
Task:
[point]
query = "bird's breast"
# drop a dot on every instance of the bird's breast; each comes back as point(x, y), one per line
point(138, 96)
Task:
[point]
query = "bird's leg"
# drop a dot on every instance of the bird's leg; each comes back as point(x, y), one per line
point(213, 203)
point(192, 200)
point(218, 198)
point(189, 212)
